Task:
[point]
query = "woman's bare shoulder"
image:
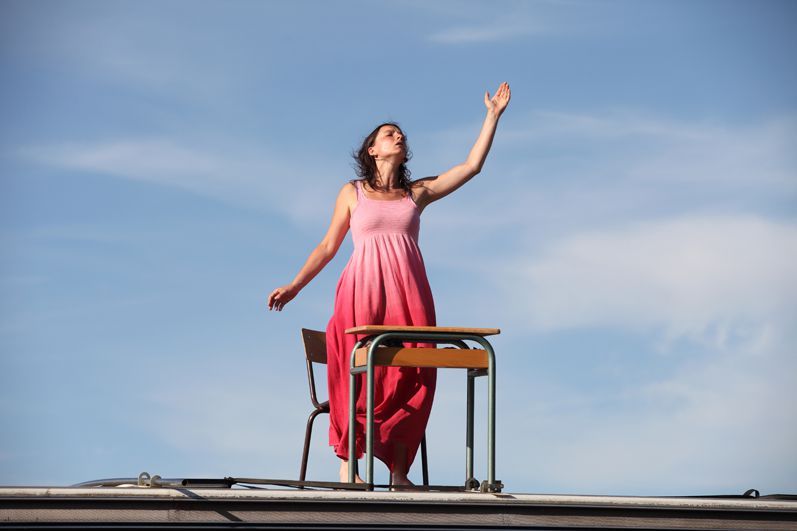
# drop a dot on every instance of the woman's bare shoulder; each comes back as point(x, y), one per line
point(348, 188)
point(348, 194)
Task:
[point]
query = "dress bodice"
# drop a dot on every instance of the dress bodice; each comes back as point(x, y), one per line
point(373, 218)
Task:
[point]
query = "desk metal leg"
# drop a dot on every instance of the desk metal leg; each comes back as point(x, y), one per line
point(491, 420)
point(369, 421)
point(492, 485)
point(469, 479)
point(352, 414)
point(424, 462)
point(352, 423)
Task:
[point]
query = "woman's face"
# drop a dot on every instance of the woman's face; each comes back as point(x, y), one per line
point(389, 143)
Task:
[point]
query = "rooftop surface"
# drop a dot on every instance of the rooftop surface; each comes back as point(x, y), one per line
point(139, 507)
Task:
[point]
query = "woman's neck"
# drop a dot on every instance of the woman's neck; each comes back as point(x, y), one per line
point(386, 177)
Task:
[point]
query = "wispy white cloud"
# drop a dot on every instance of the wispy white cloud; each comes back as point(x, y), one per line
point(554, 174)
point(720, 288)
point(466, 23)
point(135, 48)
point(252, 178)
point(721, 423)
point(233, 422)
point(246, 420)
point(650, 147)
point(686, 275)
point(489, 32)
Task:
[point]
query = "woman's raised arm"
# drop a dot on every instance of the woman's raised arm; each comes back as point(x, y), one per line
point(434, 188)
point(322, 254)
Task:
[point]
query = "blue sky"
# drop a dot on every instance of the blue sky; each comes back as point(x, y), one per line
point(163, 166)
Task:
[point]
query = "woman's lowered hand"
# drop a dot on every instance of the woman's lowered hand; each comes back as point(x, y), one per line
point(281, 296)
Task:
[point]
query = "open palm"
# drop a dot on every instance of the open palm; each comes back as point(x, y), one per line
point(498, 103)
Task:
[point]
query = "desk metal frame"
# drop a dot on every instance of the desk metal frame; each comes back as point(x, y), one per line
point(456, 339)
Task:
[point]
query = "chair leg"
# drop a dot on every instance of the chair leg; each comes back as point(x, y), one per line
point(424, 462)
point(308, 433)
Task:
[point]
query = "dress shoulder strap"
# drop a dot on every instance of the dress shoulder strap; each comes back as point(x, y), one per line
point(358, 184)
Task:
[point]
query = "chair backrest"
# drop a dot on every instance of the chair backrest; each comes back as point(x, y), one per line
point(315, 345)
point(315, 350)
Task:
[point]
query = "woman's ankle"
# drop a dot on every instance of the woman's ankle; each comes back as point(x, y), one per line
point(344, 473)
point(400, 479)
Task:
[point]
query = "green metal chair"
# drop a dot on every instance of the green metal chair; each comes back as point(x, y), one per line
point(315, 350)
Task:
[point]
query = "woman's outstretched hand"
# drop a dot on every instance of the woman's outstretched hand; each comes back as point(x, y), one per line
point(498, 103)
point(281, 296)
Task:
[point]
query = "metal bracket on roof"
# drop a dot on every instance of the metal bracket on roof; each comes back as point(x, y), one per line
point(145, 480)
point(491, 487)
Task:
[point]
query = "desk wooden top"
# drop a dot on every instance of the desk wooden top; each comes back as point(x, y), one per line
point(377, 329)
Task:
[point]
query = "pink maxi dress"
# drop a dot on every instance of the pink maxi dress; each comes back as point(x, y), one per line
point(384, 282)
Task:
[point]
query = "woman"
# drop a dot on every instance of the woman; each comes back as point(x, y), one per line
point(385, 283)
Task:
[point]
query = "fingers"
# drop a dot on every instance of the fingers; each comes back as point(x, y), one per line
point(503, 94)
point(500, 98)
point(278, 298)
point(273, 300)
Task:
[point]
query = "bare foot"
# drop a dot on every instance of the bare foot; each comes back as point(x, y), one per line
point(344, 473)
point(398, 477)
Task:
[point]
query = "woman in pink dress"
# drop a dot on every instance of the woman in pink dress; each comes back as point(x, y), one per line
point(385, 282)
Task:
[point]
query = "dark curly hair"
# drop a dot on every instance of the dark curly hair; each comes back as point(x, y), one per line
point(365, 165)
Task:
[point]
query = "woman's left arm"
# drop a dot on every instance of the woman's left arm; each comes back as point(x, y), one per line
point(434, 188)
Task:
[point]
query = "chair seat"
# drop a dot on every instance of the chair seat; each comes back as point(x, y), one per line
point(442, 358)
